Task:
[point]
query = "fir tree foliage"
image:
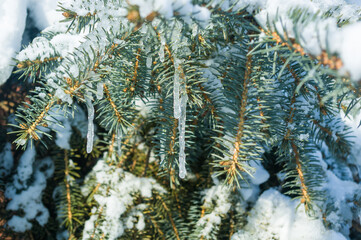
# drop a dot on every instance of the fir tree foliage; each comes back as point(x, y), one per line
point(183, 98)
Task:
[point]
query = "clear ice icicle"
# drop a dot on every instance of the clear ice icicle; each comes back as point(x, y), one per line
point(90, 134)
point(161, 152)
point(182, 130)
point(161, 53)
point(149, 62)
point(119, 141)
point(176, 100)
point(99, 90)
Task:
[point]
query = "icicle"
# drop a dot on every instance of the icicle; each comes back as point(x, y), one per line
point(162, 150)
point(119, 141)
point(176, 85)
point(90, 134)
point(182, 129)
point(161, 53)
point(100, 90)
point(161, 49)
point(149, 62)
point(176, 36)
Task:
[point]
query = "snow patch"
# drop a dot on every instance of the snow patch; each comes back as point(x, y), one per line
point(12, 25)
point(274, 217)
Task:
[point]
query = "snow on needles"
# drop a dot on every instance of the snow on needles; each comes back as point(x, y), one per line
point(319, 33)
point(274, 217)
point(316, 35)
point(167, 8)
point(115, 197)
point(350, 49)
point(59, 45)
point(217, 199)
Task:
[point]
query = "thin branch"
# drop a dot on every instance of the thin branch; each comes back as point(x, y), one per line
point(110, 100)
point(30, 63)
point(67, 185)
point(305, 195)
point(169, 216)
point(233, 165)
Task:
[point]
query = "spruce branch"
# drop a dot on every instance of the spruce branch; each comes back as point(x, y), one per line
point(29, 127)
point(232, 100)
point(305, 195)
point(234, 167)
point(36, 68)
point(68, 194)
point(333, 62)
point(111, 102)
point(169, 216)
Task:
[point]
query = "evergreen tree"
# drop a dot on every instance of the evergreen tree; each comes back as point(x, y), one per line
point(188, 120)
